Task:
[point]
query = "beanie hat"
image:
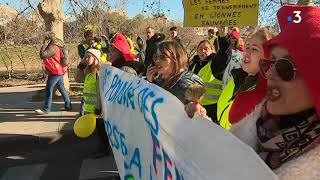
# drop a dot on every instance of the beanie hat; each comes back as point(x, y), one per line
point(235, 35)
point(95, 52)
point(120, 42)
point(302, 42)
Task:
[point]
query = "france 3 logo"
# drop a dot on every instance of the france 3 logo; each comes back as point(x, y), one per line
point(297, 17)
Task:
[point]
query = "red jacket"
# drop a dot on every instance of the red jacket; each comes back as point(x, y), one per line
point(53, 64)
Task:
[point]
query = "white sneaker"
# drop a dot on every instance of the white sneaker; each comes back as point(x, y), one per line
point(40, 112)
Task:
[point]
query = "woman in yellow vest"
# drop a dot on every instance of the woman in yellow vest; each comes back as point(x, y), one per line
point(210, 66)
point(91, 94)
point(244, 79)
point(91, 65)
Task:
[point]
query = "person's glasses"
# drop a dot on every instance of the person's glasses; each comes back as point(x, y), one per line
point(285, 69)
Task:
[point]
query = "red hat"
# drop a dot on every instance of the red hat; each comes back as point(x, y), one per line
point(120, 42)
point(235, 35)
point(302, 40)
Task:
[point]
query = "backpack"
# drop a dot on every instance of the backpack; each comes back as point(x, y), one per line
point(65, 60)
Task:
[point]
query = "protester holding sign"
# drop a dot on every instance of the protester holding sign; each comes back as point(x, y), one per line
point(210, 66)
point(285, 129)
point(170, 72)
point(151, 138)
point(211, 13)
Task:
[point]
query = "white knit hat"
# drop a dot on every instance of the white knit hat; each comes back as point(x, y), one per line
point(95, 52)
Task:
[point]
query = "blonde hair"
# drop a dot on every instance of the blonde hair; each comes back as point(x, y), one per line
point(177, 55)
point(95, 68)
point(263, 33)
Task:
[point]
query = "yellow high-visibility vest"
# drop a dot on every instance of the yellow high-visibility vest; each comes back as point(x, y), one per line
point(225, 104)
point(103, 55)
point(213, 86)
point(85, 46)
point(213, 39)
point(90, 91)
point(132, 47)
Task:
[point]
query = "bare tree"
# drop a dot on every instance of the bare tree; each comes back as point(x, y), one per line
point(8, 57)
point(7, 66)
point(21, 58)
point(52, 13)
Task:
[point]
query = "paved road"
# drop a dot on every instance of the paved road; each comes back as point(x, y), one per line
point(66, 158)
point(34, 147)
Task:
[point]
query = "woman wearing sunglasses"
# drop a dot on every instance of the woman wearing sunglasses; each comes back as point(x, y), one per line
point(285, 131)
point(169, 71)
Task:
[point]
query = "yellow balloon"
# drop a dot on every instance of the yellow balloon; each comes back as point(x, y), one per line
point(85, 125)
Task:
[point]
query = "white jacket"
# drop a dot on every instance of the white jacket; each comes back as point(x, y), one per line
point(305, 167)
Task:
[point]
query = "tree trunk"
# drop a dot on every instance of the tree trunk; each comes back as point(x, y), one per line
point(306, 2)
point(52, 13)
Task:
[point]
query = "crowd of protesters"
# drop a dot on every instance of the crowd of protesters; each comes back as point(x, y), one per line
point(263, 87)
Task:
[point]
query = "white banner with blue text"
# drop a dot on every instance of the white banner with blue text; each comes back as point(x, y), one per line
point(152, 138)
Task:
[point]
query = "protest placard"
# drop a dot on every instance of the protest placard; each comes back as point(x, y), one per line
point(212, 13)
point(152, 137)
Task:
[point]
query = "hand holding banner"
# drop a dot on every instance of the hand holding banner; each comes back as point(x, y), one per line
point(152, 137)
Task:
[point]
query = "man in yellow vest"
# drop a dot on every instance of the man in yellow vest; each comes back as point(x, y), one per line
point(98, 45)
point(86, 43)
point(89, 42)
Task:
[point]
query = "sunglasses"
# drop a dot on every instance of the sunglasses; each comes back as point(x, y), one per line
point(285, 69)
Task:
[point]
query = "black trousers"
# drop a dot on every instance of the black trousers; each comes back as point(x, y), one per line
point(212, 112)
point(102, 134)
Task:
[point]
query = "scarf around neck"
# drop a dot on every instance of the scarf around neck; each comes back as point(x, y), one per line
point(285, 137)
